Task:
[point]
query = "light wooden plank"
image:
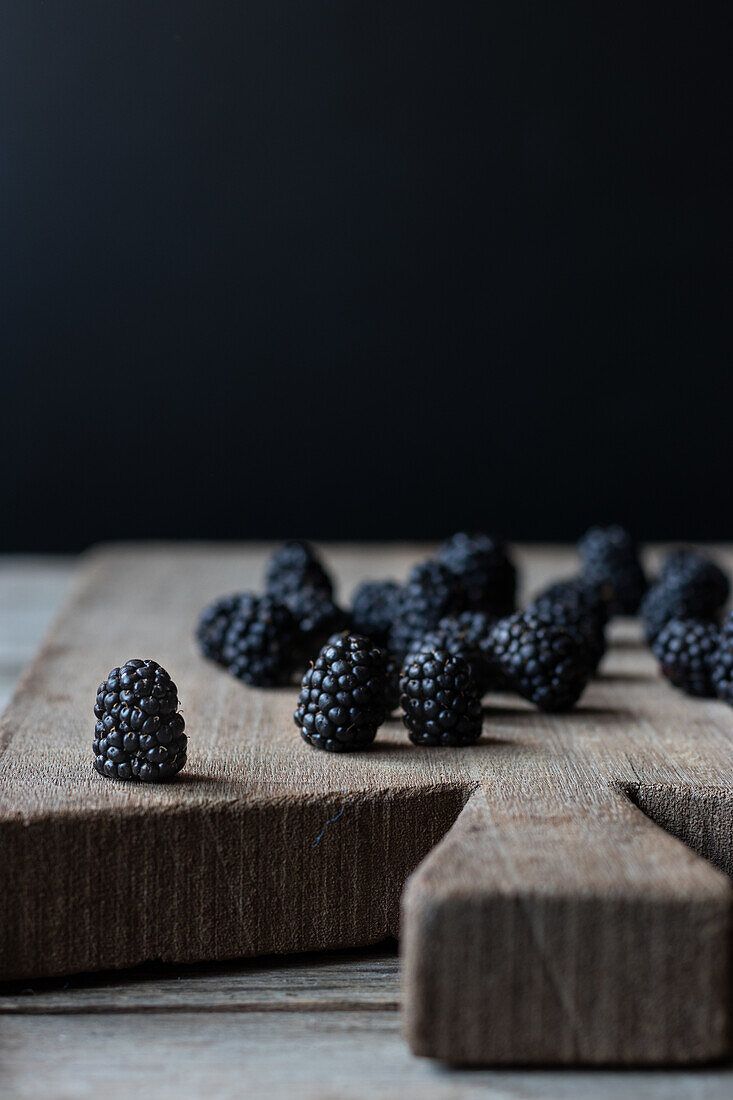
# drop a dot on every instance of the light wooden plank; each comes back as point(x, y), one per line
point(309, 1055)
point(31, 589)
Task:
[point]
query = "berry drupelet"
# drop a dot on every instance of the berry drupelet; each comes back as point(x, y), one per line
point(431, 592)
point(139, 732)
point(544, 662)
point(611, 562)
point(685, 649)
point(344, 696)
point(373, 609)
point(259, 643)
point(295, 566)
point(487, 574)
point(440, 700)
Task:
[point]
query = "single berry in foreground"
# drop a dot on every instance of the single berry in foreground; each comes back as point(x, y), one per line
point(544, 662)
point(685, 649)
point(611, 563)
point(487, 574)
point(139, 732)
point(294, 566)
point(373, 609)
point(259, 643)
point(440, 700)
point(343, 697)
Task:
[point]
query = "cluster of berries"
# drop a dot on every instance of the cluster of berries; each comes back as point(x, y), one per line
point(433, 646)
point(263, 638)
point(680, 615)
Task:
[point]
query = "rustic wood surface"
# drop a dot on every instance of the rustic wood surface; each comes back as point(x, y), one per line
point(511, 731)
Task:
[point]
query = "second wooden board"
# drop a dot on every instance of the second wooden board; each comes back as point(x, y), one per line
point(553, 922)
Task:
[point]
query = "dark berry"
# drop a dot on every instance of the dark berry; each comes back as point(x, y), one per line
point(317, 617)
point(568, 614)
point(690, 586)
point(213, 624)
point(373, 609)
point(343, 697)
point(393, 682)
point(487, 574)
point(611, 561)
point(580, 595)
point(704, 584)
point(544, 662)
point(477, 627)
point(293, 567)
point(139, 732)
point(449, 637)
point(259, 644)
point(431, 592)
point(440, 700)
point(685, 649)
point(721, 666)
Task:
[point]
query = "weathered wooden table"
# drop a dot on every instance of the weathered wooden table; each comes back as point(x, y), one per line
point(321, 1025)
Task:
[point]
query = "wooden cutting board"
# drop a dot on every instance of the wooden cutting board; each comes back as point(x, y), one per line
point(553, 922)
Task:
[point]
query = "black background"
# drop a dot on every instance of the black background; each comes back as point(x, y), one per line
point(363, 269)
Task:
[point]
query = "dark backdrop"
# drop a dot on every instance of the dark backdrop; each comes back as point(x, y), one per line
point(363, 269)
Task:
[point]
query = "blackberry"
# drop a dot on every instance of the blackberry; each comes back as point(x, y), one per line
point(488, 577)
point(721, 665)
point(139, 732)
point(431, 592)
point(685, 649)
point(392, 673)
point(373, 609)
point(544, 662)
point(689, 590)
point(704, 584)
point(440, 701)
point(610, 558)
point(317, 617)
point(213, 624)
point(259, 643)
point(579, 594)
point(293, 567)
point(343, 696)
point(568, 614)
point(477, 627)
point(448, 637)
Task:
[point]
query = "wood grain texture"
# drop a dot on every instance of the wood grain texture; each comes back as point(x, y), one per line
point(553, 923)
